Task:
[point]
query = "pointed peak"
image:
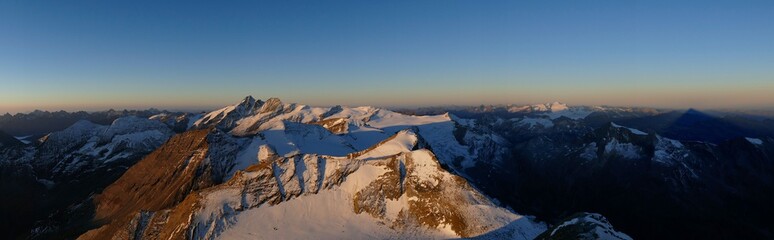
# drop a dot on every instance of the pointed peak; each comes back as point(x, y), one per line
point(334, 110)
point(337, 108)
point(247, 106)
point(248, 99)
point(271, 105)
point(557, 106)
point(692, 116)
point(248, 102)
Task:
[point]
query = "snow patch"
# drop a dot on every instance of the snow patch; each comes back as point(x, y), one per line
point(635, 131)
point(626, 150)
point(23, 139)
point(425, 167)
point(668, 151)
point(755, 141)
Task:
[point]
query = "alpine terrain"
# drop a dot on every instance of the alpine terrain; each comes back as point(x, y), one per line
point(265, 169)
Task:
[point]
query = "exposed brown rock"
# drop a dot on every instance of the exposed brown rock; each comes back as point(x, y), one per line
point(159, 181)
point(373, 198)
point(159, 197)
point(271, 105)
point(431, 203)
point(335, 125)
point(435, 204)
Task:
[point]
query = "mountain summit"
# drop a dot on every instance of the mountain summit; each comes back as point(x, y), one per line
point(386, 180)
point(392, 189)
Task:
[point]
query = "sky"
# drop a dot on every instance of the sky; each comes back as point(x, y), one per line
point(96, 55)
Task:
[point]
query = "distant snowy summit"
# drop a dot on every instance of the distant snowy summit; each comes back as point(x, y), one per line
point(548, 107)
point(553, 110)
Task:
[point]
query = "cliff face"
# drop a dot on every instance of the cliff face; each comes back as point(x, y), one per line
point(159, 181)
point(393, 189)
point(47, 179)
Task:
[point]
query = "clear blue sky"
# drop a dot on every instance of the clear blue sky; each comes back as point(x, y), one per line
point(93, 55)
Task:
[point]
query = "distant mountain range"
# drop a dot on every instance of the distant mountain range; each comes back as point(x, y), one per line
point(268, 169)
point(38, 123)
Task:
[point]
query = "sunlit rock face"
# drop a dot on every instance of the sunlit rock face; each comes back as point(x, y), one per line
point(395, 188)
point(275, 169)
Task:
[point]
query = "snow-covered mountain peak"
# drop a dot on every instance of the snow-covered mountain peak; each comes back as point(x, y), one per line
point(669, 152)
point(333, 110)
point(403, 141)
point(85, 147)
point(271, 105)
point(545, 107)
point(248, 100)
point(75, 134)
point(226, 117)
point(130, 124)
point(357, 128)
point(557, 106)
point(399, 192)
point(552, 110)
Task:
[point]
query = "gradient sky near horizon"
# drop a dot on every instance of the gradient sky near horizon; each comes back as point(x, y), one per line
point(95, 55)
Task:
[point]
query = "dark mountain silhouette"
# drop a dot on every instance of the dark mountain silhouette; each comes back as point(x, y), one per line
point(8, 140)
point(692, 125)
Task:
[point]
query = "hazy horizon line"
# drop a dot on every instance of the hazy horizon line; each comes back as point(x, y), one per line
point(199, 109)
